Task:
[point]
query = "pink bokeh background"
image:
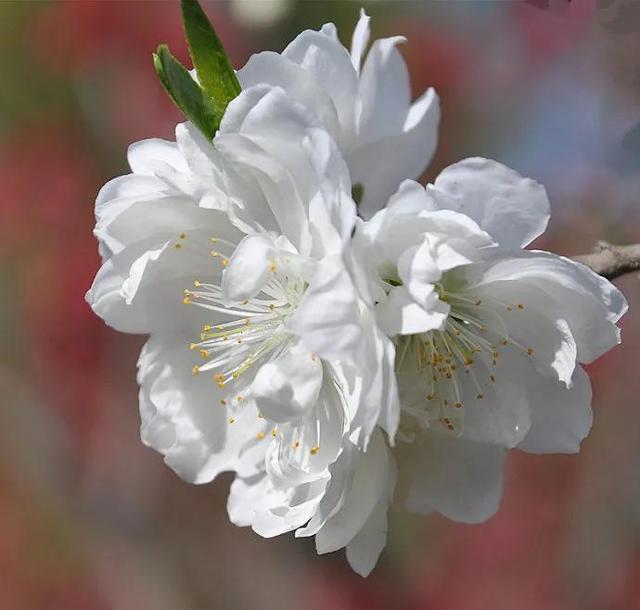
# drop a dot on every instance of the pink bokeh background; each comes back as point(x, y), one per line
point(91, 519)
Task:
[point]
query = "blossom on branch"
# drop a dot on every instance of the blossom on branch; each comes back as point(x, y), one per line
point(489, 336)
point(324, 351)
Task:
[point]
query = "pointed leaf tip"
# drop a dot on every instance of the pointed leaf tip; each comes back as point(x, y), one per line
point(215, 72)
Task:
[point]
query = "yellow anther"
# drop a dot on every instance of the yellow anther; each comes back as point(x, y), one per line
point(272, 266)
point(178, 246)
point(520, 306)
point(214, 253)
point(239, 398)
point(274, 432)
point(206, 328)
point(231, 420)
point(260, 435)
point(195, 370)
point(509, 307)
point(197, 283)
point(186, 301)
point(223, 402)
point(193, 345)
point(183, 236)
point(214, 240)
point(314, 450)
point(204, 353)
point(296, 445)
point(430, 396)
point(530, 351)
point(219, 379)
point(225, 262)
point(458, 405)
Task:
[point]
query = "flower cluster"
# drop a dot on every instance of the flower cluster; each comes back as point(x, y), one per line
point(337, 335)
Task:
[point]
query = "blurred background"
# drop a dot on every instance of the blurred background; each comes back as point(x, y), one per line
point(92, 520)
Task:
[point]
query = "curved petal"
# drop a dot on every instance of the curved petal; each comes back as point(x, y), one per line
point(182, 417)
point(459, 478)
point(141, 289)
point(330, 65)
point(364, 549)
point(360, 39)
point(327, 318)
point(411, 149)
point(559, 289)
point(561, 417)
point(373, 477)
point(287, 388)
point(155, 156)
point(385, 91)
point(274, 69)
point(495, 407)
point(512, 209)
point(251, 263)
point(401, 315)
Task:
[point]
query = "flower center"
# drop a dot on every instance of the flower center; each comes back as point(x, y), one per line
point(458, 363)
point(246, 333)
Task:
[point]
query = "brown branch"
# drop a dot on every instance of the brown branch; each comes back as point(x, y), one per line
point(612, 261)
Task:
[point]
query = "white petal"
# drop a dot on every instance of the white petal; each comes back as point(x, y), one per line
point(155, 156)
point(401, 315)
point(196, 440)
point(561, 416)
point(327, 318)
point(285, 211)
point(330, 64)
point(159, 217)
point(385, 91)
point(249, 268)
point(512, 209)
point(287, 388)
point(364, 549)
point(248, 495)
point(341, 472)
point(458, 478)
point(374, 474)
point(496, 412)
point(561, 288)
point(300, 85)
point(411, 150)
point(378, 404)
point(360, 39)
point(140, 289)
point(410, 198)
point(332, 212)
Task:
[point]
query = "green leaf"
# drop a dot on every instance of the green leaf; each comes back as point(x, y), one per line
point(185, 92)
point(214, 70)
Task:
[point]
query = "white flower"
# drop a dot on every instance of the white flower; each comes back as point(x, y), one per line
point(366, 107)
point(488, 335)
point(230, 255)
